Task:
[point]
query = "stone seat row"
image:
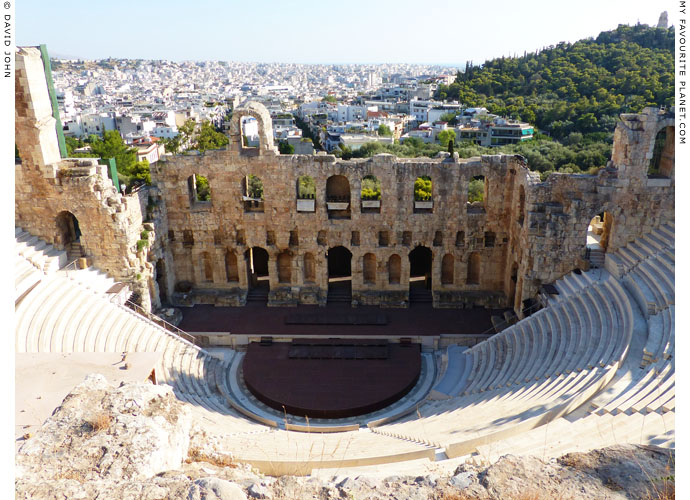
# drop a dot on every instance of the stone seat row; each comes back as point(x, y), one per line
point(44, 256)
point(652, 284)
point(660, 336)
point(648, 389)
point(26, 277)
point(74, 315)
point(460, 424)
point(577, 333)
point(660, 241)
point(591, 432)
point(571, 284)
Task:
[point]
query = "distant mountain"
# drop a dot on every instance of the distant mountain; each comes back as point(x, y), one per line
point(59, 55)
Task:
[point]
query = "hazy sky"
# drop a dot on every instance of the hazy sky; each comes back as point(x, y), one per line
point(319, 31)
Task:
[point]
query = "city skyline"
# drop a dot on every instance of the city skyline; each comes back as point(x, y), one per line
point(311, 33)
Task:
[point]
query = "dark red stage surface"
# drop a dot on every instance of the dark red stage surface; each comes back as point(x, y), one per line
point(331, 378)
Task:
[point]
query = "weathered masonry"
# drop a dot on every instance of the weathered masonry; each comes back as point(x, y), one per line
point(494, 252)
point(245, 222)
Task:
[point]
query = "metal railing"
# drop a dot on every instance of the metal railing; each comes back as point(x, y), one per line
point(72, 266)
point(161, 322)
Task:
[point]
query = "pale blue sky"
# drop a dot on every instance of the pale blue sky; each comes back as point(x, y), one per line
point(318, 31)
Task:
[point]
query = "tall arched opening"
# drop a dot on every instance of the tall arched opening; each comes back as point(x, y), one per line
point(231, 271)
point(309, 268)
point(257, 274)
point(474, 265)
point(339, 274)
point(662, 162)
point(369, 269)
point(599, 233)
point(161, 281)
point(207, 267)
point(448, 269)
point(284, 267)
point(394, 265)
point(68, 234)
point(420, 274)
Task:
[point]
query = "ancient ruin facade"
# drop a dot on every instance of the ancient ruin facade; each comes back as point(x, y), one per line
point(217, 249)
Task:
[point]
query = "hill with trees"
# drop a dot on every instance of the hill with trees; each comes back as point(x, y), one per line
point(572, 92)
point(580, 87)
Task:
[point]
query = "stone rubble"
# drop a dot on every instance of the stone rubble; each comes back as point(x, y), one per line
point(143, 452)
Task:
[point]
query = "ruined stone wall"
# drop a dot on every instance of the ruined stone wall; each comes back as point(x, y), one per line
point(538, 228)
point(524, 234)
point(46, 185)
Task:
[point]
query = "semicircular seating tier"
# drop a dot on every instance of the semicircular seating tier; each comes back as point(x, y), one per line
point(598, 358)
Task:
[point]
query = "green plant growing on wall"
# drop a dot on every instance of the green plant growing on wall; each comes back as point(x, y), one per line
point(371, 188)
point(255, 188)
point(422, 188)
point(203, 190)
point(306, 188)
point(475, 191)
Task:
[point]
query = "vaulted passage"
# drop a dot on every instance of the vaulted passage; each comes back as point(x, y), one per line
point(598, 235)
point(420, 274)
point(68, 235)
point(160, 280)
point(339, 274)
point(257, 274)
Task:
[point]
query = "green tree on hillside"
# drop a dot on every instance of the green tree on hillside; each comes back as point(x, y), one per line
point(384, 130)
point(446, 136)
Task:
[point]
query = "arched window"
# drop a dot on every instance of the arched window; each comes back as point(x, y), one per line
point(447, 269)
point(309, 268)
point(394, 264)
point(284, 267)
point(460, 239)
point(250, 132)
point(231, 266)
point(473, 268)
point(521, 206)
point(663, 155)
point(253, 194)
point(369, 268)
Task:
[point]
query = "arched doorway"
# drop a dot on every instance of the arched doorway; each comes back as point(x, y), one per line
point(339, 274)
point(161, 281)
point(662, 163)
point(420, 274)
point(257, 274)
point(599, 233)
point(68, 235)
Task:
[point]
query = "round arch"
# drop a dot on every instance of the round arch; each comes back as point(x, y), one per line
point(67, 230)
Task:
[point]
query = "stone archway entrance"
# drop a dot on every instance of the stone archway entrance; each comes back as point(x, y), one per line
point(256, 259)
point(420, 274)
point(161, 281)
point(599, 233)
point(339, 275)
point(68, 235)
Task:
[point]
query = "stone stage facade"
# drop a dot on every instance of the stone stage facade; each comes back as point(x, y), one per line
point(494, 253)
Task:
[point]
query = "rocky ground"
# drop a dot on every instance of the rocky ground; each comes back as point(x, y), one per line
point(137, 441)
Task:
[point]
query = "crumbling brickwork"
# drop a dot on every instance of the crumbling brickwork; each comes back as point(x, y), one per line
point(494, 253)
point(47, 186)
